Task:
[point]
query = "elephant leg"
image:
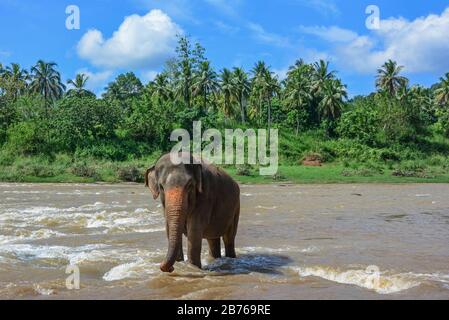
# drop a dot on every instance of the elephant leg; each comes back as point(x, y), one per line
point(229, 246)
point(229, 237)
point(214, 248)
point(195, 239)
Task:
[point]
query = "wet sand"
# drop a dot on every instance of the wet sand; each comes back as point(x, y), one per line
point(294, 242)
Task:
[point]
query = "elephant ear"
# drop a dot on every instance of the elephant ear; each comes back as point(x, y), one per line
point(198, 170)
point(151, 182)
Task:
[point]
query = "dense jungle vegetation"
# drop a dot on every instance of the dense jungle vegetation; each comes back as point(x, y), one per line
point(56, 131)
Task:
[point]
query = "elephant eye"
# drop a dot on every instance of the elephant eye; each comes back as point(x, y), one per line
point(161, 187)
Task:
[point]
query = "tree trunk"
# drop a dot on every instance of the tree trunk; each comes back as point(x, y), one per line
point(242, 109)
point(269, 122)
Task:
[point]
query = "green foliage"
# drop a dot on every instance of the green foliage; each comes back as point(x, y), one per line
point(7, 117)
point(131, 173)
point(80, 122)
point(28, 138)
point(82, 137)
point(361, 122)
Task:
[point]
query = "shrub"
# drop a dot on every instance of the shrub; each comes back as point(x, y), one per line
point(244, 170)
point(83, 170)
point(130, 173)
point(28, 138)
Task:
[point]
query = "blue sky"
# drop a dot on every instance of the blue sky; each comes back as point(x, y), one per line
point(138, 35)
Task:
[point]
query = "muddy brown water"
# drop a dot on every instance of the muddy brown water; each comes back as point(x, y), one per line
point(294, 242)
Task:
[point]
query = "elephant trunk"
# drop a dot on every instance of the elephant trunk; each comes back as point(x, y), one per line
point(175, 211)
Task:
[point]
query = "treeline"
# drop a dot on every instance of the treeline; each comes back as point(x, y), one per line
point(41, 115)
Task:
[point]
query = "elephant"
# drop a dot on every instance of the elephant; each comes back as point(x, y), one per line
point(200, 201)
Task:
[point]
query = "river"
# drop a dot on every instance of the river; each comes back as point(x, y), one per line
point(293, 242)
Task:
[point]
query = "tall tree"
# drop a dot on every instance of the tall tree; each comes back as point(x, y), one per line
point(205, 82)
point(321, 75)
point(15, 80)
point(226, 87)
point(297, 92)
point(389, 78)
point(271, 88)
point(331, 105)
point(241, 90)
point(124, 87)
point(184, 81)
point(258, 88)
point(184, 72)
point(46, 80)
point(442, 92)
point(79, 86)
point(161, 88)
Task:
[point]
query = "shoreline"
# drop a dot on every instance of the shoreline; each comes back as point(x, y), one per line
point(332, 173)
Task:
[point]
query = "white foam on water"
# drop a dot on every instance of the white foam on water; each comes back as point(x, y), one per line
point(33, 252)
point(266, 208)
point(437, 277)
point(382, 283)
point(23, 235)
point(24, 192)
point(277, 250)
point(87, 218)
point(109, 255)
point(132, 270)
point(150, 230)
point(43, 291)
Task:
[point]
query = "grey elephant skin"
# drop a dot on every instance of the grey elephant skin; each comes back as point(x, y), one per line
point(200, 201)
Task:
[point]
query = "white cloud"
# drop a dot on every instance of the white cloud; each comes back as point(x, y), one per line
point(421, 45)
point(5, 54)
point(227, 7)
point(226, 28)
point(264, 36)
point(140, 42)
point(322, 6)
point(331, 34)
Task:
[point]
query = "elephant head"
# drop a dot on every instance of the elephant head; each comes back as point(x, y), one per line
point(179, 187)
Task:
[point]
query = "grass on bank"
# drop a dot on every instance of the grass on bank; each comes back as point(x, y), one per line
point(64, 169)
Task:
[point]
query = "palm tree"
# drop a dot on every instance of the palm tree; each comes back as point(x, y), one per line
point(205, 82)
point(184, 82)
point(16, 80)
point(298, 65)
point(79, 85)
point(226, 86)
point(388, 78)
point(297, 92)
point(241, 90)
point(46, 81)
point(161, 87)
point(271, 88)
point(258, 86)
point(331, 105)
point(442, 93)
point(321, 76)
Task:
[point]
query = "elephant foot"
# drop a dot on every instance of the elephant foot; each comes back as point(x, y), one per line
point(196, 265)
point(165, 268)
